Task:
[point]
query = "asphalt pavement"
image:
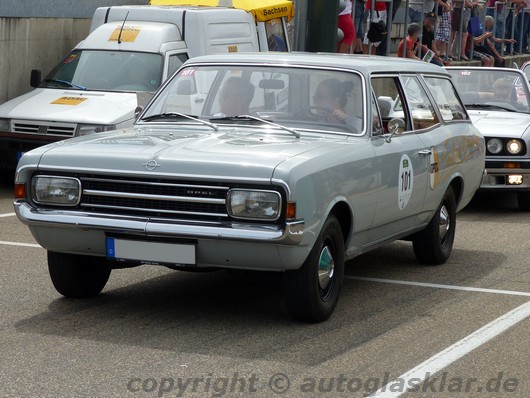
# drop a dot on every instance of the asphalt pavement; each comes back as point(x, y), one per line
point(400, 328)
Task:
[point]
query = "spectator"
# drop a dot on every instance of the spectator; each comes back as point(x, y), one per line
point(443, 32)
point(411, 42)
point(515, 5)
point(524, 14)
point(429, 22)
point(480, 52)
point(460, 19)
point(235, 96)
point(378, 14)
point(418, 8)
point(381, 49)
point(489, 41)
point(358, 22)
point(345, 23)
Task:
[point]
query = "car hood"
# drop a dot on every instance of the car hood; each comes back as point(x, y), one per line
point(187, 152)
point(500, 124)
point(71, 106)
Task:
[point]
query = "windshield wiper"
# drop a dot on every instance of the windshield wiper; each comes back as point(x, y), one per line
point(508, 108)
point(177, 115)
point(69, 84)
point(250, 117)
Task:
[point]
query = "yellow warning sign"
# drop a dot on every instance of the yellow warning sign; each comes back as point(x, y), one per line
point(69, 101)
point(128, 34)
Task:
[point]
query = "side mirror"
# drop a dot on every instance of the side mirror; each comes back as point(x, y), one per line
point(36, 78)
point(395, 126)
point(137, 112)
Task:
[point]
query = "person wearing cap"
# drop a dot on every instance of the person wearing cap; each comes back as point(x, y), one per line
point(429, 22)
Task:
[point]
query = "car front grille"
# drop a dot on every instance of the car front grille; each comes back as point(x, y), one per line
point(154, 198)
point(50, 128)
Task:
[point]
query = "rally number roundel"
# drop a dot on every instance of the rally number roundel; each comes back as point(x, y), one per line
point(405, 181)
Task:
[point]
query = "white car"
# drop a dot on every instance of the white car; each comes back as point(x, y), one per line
point(498, 101)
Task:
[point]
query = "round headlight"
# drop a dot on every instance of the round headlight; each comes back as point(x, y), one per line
point(514, 146)
point(494, 145)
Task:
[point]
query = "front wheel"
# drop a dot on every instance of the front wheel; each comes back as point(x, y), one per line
point(312, 291)
point(434, 244)
point(78, 276)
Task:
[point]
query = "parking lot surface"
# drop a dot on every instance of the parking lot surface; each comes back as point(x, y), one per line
point(400, 328)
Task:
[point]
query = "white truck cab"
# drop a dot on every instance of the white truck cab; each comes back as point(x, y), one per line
point(128, 53)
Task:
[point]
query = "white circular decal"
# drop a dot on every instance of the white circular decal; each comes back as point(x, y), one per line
point(405, 182)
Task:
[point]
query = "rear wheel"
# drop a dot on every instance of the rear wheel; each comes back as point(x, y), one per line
point(434, 244)
point(523, 200)
point(78, 276)
point(312, 291)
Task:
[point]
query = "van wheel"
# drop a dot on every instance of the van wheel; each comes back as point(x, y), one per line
point(78, 276)
point(434, 244)
point(312, 291)
point(523, 200)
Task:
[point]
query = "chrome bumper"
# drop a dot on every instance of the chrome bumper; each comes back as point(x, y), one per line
point(289, 234)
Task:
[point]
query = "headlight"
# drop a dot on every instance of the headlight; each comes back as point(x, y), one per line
point(494, 145)
point(85, 129)
point(61, 191)
point(514, 146)
point(5, 125)
point(254, 205)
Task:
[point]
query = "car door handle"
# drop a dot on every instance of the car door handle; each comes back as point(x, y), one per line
point(425, 152)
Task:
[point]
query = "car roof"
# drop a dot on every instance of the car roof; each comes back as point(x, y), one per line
point(366, 64)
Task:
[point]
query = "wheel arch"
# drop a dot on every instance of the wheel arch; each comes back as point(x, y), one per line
point(457, 184)
point(342, 211)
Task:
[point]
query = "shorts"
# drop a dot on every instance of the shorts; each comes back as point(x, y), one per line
point(457, 17)
point(345, 24)
point(375, 18)
point(444, 28)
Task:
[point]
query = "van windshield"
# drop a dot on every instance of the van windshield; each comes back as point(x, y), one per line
point(107, 71)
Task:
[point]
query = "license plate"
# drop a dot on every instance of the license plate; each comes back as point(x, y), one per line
point(150, 252)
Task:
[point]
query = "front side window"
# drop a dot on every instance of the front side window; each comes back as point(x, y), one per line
point(107, 71)
point(421, 108)
point(387, 90)
point(303, 98)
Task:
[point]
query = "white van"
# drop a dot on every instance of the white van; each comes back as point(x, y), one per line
point(129, 52)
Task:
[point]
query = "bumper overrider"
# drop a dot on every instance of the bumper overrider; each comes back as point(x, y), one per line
point(513, 175)
point(228, 244)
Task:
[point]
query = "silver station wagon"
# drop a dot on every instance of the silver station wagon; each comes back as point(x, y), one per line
point(275, 162)
point(498, 102)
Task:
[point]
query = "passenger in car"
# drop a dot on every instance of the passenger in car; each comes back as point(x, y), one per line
point(331, 97)
point(235, 96)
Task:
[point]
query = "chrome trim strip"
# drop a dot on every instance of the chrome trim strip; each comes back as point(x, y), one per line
point(167, 198)
point(290, 234)
point(161, 184)
point(193, 213)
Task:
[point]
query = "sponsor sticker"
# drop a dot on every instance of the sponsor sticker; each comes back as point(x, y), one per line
point(405, 182)
point(69, 101)
point(128, 34)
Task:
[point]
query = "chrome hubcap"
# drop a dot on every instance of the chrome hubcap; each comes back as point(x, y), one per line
point(444, 222)
point(326, 267)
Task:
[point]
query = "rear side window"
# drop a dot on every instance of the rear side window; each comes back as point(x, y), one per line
point(421, 107)
point(447, 101)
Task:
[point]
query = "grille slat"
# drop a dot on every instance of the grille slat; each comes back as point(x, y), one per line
point(148, 197)
point(56, 129)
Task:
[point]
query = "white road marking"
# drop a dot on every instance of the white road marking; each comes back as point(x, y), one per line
point(438, 286)
point(2, 242)
point(451, 354)
point(7, 215)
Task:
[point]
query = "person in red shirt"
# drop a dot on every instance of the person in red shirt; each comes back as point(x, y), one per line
point(411, 42)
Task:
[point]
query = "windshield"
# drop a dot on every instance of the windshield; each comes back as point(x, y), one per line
point(296, 98)
point(107, 71)
point(504, 89)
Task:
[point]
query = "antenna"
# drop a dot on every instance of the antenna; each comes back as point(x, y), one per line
point(122, 25)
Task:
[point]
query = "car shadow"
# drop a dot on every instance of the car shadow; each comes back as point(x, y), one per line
point(242, 314)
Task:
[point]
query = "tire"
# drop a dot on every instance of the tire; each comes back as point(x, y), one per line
point(434, 244)
point(78, 276)
point(523, 200)
point(311, 297)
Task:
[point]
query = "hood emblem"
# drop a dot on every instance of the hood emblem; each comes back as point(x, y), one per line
point(151, 165)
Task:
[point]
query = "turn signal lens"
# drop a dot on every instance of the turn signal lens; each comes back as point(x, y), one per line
point(291, 210)
point(20, 191)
